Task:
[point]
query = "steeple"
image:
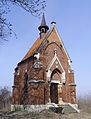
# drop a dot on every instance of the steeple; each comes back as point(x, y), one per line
point(43, 27)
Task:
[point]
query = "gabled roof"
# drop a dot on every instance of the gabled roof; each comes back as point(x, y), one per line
point(63, 45)
point(34, 47)
point(40, 41)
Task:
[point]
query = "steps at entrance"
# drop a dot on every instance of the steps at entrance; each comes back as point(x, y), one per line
point(69, 108)
point(64, 108)
point(54, 107)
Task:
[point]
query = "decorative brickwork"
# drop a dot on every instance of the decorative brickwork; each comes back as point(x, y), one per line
point(44, 75)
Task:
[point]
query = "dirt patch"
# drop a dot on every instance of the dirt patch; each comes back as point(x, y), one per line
point(46, 114)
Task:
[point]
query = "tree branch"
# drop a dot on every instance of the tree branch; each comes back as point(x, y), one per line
point(34, 7)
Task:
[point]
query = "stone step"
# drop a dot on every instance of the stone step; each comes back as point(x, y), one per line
point(70, 108)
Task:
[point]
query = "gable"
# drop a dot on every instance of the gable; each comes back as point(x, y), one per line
point(54, 37)
point(55, 63)
point(51, 36)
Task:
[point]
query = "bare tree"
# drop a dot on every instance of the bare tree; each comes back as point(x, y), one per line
point(84, 102)
point(34, 7)
point(5, 98)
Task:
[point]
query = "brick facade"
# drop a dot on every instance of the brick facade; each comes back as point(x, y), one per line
point(44, 75)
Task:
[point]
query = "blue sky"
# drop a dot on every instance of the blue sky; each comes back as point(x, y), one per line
point(73, 18)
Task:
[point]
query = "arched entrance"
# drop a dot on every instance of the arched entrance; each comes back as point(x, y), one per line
point(54, 91)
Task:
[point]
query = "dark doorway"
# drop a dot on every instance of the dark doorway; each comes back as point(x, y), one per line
point(54, 93)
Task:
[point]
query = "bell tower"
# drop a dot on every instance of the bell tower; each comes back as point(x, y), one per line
point(43, 28)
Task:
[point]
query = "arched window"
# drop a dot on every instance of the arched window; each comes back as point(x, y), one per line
point(25, 84)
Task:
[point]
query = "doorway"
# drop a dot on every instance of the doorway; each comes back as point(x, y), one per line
point(54, 93)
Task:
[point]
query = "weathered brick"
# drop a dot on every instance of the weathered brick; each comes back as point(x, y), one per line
point(52, 67)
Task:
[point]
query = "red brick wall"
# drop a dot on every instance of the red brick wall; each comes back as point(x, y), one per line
point(38, 93)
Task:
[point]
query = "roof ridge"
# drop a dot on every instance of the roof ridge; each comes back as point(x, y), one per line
point(34, 47)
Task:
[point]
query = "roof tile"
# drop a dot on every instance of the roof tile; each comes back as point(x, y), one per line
point(34, 47)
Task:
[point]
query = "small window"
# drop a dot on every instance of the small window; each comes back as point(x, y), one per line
point(25, 83)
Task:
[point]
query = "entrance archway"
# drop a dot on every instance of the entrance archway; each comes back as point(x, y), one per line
point(55, 80)
point(54, 93)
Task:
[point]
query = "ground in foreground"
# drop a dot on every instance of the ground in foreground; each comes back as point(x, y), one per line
point(46, 114)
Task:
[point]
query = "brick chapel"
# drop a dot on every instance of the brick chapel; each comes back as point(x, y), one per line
point(44, 75)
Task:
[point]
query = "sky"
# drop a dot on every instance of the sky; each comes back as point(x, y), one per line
point(73, 22)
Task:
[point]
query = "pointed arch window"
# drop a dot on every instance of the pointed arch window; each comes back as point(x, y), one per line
point(25, 83)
